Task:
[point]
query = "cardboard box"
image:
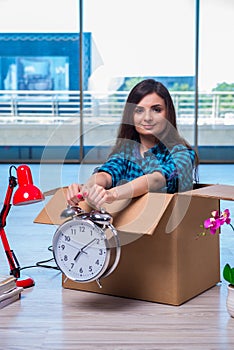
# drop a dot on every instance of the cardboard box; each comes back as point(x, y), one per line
point(162, 258)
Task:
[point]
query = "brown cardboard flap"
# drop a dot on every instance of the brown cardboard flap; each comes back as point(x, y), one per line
point(225, 192)
point(140, 215)
point(52, 191)
point(50, 214)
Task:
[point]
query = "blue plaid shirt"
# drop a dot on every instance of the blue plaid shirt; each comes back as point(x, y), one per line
point(176, 165)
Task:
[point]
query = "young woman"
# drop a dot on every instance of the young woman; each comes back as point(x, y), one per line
point(149, 154)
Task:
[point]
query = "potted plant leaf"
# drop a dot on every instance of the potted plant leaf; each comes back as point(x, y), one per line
point(228, 275)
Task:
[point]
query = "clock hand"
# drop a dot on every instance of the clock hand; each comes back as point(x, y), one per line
point(84, 247)
point(77, 255)
point(75, 247)
point(88, 244)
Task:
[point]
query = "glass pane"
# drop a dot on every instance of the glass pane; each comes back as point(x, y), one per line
point(131, 42)
point(216, 82)
point(39, 79)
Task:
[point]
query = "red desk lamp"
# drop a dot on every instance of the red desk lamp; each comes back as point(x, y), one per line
point(26, 193)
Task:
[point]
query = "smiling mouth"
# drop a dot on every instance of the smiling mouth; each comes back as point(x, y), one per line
point(148, 126)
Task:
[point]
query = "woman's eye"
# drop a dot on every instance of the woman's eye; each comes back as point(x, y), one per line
point(139, 110)
point(156, 109)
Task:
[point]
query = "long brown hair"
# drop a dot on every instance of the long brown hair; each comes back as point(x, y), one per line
point(127, 129)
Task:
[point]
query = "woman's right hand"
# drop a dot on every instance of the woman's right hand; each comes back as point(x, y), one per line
point(74, 195)
point(95, 195)
point(93, 191)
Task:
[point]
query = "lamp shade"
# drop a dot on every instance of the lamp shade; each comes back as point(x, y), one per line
point(26, 193)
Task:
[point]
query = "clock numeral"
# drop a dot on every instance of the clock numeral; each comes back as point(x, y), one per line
point(97, 241)
point(72, 265)
point(63, 246)
point(97, 262)
point(81, 270)
point(67, 238)
point(82, 229)
point(90, 268)
point(100, 252)
point(73, 231)
point(65, 258)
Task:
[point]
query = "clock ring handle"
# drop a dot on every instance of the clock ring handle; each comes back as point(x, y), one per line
point(71, 211)
point(117, 254)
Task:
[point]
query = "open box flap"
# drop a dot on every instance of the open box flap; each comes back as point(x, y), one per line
point(139, 216)
point(52, 191)
point(50, 214)
point(225, 192)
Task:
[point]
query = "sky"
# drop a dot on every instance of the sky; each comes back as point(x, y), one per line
point(156, 39)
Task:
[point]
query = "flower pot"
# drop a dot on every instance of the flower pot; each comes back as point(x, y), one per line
point(230, 300)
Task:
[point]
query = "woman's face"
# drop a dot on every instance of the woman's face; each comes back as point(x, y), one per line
point(150, 116)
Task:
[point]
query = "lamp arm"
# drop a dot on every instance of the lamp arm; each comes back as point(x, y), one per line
point(12, 260)
point(7, 202)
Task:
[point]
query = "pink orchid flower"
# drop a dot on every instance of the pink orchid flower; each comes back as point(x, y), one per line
point(212, 224)
point(217, 220)
point(225, 216)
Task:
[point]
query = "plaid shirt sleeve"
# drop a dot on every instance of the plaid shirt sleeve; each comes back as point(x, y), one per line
point(178, 169)
point(115, 166)
point(176, 166)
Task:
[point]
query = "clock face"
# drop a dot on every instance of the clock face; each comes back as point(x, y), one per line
point(80, 250)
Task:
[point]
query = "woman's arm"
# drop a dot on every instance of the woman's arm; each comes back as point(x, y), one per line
point(143, 184)
point(96, 191)
point(97, 195)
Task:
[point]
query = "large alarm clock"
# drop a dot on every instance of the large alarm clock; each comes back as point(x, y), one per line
point(86, 247)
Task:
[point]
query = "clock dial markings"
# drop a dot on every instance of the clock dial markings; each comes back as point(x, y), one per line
point(84, 247)
point(94, 248)
point(81, 250)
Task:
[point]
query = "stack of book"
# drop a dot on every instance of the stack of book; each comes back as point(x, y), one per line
point(9, 292)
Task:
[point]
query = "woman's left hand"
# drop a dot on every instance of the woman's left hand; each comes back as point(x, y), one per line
point(96, 196)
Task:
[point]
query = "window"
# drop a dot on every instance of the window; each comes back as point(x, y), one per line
point(62, 91)
point(216, 81)
point(131, 42)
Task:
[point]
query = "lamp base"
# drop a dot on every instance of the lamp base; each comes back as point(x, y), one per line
point(27, 282)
